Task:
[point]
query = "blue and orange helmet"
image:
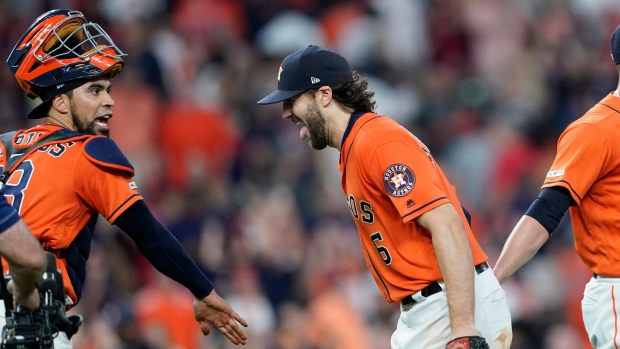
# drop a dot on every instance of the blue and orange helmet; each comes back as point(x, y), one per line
point(61, 47)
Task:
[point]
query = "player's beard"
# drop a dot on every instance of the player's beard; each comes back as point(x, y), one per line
point(317, 127)
point(82, 127)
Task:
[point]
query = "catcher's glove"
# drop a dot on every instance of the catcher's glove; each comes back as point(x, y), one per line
point(472, 342)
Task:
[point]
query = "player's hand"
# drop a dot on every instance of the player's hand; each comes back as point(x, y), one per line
point(470, 342)
point(29, 301)
point(213, 309)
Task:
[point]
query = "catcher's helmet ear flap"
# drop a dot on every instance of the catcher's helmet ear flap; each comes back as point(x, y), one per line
point(61, 46)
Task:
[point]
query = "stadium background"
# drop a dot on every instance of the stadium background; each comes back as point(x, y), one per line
point(488, 85)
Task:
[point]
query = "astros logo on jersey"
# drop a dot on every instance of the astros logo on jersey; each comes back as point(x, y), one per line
point(398, 180)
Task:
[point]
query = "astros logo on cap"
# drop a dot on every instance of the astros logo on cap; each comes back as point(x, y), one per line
point(280, 72)
point(398, 180)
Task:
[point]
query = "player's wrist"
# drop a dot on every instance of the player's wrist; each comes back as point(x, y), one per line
point(464, 331)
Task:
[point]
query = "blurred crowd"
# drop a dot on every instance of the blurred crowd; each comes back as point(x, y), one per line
point(487, 85)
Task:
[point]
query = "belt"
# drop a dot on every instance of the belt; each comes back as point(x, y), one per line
point(434, 287)
point(615, 279)
point(480, 268)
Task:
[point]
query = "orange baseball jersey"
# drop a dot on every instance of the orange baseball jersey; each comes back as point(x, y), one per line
point(588, 165)
point(60, 189)
point(390, 178)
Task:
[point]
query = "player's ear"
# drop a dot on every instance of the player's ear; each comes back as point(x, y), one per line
point(324, 95)
point(61, 103)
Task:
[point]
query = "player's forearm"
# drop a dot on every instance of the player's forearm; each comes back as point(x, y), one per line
point(524, 241)
point(162, 249)
point(24, 255)
point(456, 264)
point(168, 256)
point(455, 260)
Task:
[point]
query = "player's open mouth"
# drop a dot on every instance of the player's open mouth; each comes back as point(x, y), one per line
point(303, 133)
point(102, 122)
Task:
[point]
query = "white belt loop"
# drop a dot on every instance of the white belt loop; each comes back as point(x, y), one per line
point(418, 297)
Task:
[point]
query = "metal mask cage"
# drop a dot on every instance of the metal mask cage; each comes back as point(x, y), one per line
point(73, 38)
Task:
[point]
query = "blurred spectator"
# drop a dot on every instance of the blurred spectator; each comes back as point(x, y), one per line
point(247, 294)
point(164, 315)
point(486, 84)
point(198, 144)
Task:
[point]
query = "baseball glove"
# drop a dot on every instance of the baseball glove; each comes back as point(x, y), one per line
point(472, 342)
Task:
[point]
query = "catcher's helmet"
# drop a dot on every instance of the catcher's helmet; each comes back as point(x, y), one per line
point(59, 49)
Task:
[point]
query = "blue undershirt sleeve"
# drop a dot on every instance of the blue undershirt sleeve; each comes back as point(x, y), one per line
point(162, 249)
point(8, 215)
point(467, 215)
point(550, 206)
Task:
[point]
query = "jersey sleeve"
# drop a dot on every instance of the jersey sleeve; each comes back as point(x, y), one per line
point(583, 150)
point(8, 215)
point(409, 177)
point(107, 190)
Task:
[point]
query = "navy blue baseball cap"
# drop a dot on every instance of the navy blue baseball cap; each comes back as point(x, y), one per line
point(306, 69)
point(48, 94)
point(614, 44)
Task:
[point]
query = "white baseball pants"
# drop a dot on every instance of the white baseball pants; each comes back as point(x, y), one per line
point(426, 325)
point(601, 307)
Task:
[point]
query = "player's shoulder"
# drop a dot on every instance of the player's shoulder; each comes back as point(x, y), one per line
point(18, 145)
point(603, 115)
point(588, 127)
point(383, 130)
point(104, 152)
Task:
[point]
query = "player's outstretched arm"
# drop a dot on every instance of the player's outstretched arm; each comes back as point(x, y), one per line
point(26, 261)
point(167, 255)
point(524, 241)
point(457, 266)
point(533, 230)
point(213, 309)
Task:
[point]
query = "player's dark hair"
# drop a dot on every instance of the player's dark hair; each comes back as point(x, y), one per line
point(353, 93)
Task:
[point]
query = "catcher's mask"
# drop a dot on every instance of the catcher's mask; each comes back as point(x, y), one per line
point(59, 49)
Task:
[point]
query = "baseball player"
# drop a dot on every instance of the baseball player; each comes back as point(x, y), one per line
point(60, 175)
point(584, 177)
point(414, 232)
